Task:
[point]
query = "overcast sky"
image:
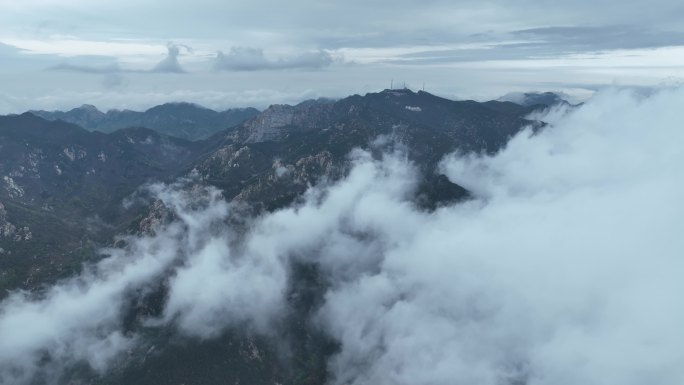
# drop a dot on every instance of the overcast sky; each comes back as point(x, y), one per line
point(134, 54)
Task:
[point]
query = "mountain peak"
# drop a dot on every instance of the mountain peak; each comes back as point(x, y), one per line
point(534, 98)
point(88, 107)
point(397, 91)
point(185, 106)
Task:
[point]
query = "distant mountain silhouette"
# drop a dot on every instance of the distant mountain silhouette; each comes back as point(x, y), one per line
point(534, 98)
point(182, 120)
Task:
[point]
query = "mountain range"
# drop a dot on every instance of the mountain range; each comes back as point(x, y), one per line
point(535, 98)
point(183, 120)
point(66, 191)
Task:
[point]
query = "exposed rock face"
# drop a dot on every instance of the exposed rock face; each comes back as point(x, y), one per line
point(271, 159)
point(6, 228)
point(13, 189)
point(267, 125)
point(157, 215)
point(278, 120)
point(10, 232)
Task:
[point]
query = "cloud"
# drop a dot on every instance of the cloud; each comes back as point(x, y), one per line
point(564, 268)
point(253, 59)
point(542, 43)
point(109, 66)
point(562, 271)
point(170, 63)
point(8, 51)
point(80, 320)
point(582, 39)
point(112, 68)
point(519, 39)
point(16, 59)
point(113, 80)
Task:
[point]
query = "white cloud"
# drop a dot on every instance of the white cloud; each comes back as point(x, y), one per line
point(81, 320)
point(563, 271)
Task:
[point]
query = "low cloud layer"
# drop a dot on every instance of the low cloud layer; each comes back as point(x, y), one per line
point(565, 267)
point(253, 59)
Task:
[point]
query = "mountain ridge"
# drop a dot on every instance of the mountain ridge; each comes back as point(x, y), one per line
point(181, 119)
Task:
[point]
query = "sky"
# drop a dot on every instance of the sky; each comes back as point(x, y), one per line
point(57, 54)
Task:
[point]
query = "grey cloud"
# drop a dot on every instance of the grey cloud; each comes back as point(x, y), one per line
point(514, 51)
point(8, 50)
point(170, 63)
point(14, 59)
point(547, 42)
point(253, 59)
point(109, 65)
point(87, 69)
point(579, 38)
point(113, 74)
point(113, 80)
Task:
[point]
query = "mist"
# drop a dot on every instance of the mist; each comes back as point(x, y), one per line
point(562, 270)
point(564, 267)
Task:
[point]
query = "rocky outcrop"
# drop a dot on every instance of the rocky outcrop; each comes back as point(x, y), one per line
point(11, 232)
point(278, 120)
